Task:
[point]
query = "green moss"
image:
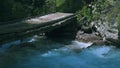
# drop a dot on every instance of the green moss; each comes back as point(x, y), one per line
point(114, 13)
point(118, 20)
point(85, 12)
point(59, 2)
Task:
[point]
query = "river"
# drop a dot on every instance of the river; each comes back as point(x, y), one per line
point(40, 52)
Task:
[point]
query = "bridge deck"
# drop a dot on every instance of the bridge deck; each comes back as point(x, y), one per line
point(33, 23)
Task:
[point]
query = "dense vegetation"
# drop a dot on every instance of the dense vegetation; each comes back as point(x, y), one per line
point(17, 9)
point(20, 9)
point(101, 14)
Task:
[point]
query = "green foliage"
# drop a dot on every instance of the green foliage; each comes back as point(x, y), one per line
point(112, 16)
point(95, 11)
point(118, 20)
point(86, 13)
point(50, 6)
point(18, 9)
point(59, 3)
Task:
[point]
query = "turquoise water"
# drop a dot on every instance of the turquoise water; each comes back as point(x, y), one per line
point(38, 52)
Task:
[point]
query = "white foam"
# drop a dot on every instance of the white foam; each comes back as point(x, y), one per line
point(81, 44)
point(69, 49)
point(7, 45)
point(32, 40)
point(50, 54)
point(101, 51)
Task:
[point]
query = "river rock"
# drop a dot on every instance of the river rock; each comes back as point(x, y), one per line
point(93, 37)
point(114, 42)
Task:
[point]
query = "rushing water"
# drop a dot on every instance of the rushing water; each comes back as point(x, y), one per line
point(44, 53)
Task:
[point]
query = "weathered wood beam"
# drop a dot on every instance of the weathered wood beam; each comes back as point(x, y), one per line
point(33, 23)
point(33, 26)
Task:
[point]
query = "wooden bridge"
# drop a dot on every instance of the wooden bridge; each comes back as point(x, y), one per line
point(34, 26)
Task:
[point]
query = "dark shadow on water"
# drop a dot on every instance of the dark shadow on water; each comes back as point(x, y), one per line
point(40, 43)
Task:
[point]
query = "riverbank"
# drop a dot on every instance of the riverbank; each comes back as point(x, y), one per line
point(99, 23)
point(96, 38)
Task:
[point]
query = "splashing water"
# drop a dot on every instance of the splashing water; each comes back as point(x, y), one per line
point(67, 49)
point(62, 57)
point(81, 44)
point(105, 51)
point(102, 51)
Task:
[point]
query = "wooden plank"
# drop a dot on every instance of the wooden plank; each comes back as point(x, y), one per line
point(5, 38)
point(33, 23)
